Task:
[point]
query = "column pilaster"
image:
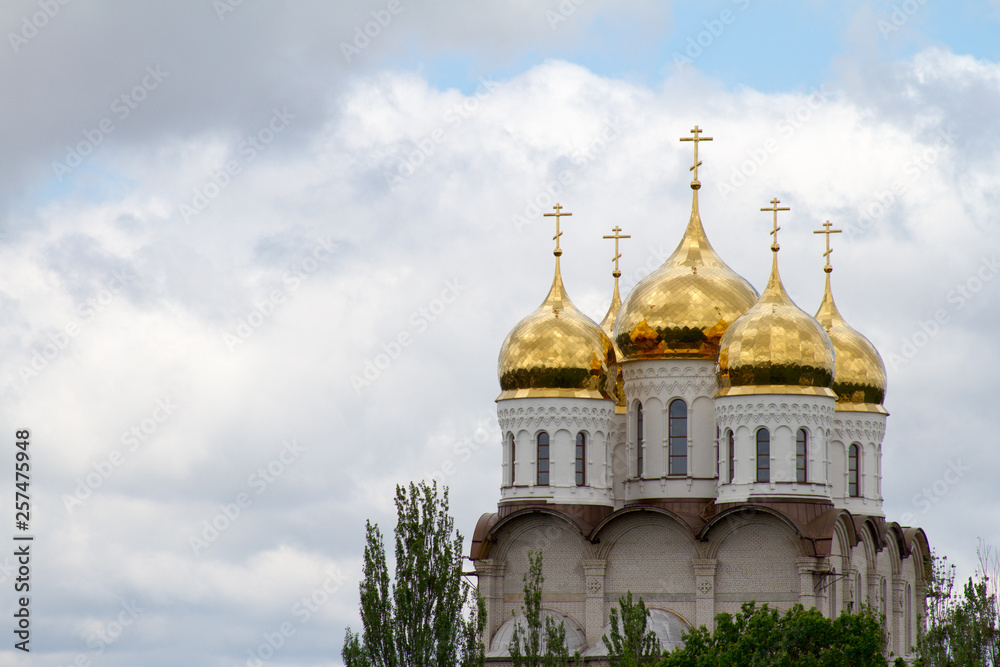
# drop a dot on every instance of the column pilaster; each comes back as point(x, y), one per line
point(704, 592)
point(593, 571)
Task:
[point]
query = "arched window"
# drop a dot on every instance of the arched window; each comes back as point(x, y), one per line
point(581, 459)
point(801, 442)
point(853, 469)
point(763, 455)
point(678, 437)
point(834, 612)
point(638, 439)
point(732, 457)
point(908, 615)
point(826, 455)
point(513, 457)
point(543, 459)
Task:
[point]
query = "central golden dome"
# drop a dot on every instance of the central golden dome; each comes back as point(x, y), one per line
point(860, 380)
point(557, 351)
point(681, 310)
point(776, 348)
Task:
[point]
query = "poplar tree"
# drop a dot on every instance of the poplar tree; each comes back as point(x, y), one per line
point(526, 645)
point(428, 614)
point(630, 644)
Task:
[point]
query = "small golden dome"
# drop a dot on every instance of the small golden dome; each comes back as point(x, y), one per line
point(860, 379)
point(775, 348)
point(557, 351)
point(681, 310)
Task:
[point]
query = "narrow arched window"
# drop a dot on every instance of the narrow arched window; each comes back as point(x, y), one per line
point(581, 459)
point(883, 602)
point(908, 614)
point(834, 612)
point(678, 437)
point(732, 457)
point(638, 439)
point(801, 442)
point(853, 468)
point(513, 457)
point(543, 459)
point(763, 455)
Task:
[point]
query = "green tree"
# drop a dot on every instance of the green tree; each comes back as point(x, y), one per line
point(762, 637)
point(962, 628)
point(527, 644)
point(631, 645)
point(428, 615)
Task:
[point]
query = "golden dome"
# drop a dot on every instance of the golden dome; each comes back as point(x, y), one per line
point(681, 310)
point(557, 351)
point(775, 348)
point(860, 379)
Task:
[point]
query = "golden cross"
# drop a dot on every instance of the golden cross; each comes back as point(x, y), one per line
point(774, 232)
point(558, 214)
point(828, 231)
point(695, 184)
point(616, 273)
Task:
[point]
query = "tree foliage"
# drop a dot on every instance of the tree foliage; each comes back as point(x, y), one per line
point(540, 644)
point(962, 628)
point(428, 615)
point(631, 645)
point(762, 637)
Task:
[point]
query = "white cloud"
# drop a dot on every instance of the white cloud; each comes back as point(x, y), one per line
point(390, 252)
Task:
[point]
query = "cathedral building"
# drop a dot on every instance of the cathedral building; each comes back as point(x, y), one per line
point(702, 447)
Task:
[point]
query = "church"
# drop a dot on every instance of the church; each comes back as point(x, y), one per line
point(702, 447)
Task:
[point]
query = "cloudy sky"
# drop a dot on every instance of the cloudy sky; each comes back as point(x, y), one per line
point(259, 258)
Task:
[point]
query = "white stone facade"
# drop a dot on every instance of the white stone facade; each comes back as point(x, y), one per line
point(864, 430)
point(693, 545)
point(655, 385)
point(743, 555)
point(522, 420)
point(784, 419)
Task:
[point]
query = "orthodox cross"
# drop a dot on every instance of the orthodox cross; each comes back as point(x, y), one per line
point(774, 232)
point(695, 184)
point(558, 214)
point(827, 231)
point(616, 273)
